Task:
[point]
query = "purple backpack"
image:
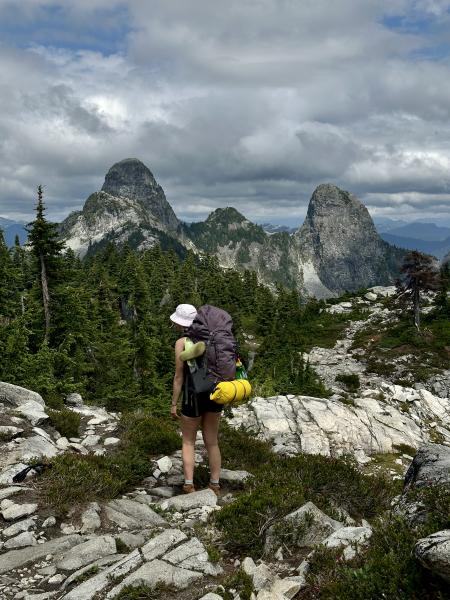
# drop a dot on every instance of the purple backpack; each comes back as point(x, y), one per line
point(214, 327)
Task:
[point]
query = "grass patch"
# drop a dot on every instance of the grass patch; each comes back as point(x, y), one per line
point(65, 421)
point(143, 592)
point(76, 480)
point(86, 575)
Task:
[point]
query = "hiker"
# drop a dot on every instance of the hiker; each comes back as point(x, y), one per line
point(196, 409)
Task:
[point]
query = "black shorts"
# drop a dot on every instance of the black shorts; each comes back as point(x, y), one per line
point(195, 405)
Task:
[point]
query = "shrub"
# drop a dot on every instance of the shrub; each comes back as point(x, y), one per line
point(350, 380)
point(143, 592)
point(240, 450)
point(241, 583)
point(282, 485)
point(65, 421)
point(75, 480)
point(387, 569)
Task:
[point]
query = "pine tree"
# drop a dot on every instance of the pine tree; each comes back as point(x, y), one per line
point(46, 247)
point(420, 275)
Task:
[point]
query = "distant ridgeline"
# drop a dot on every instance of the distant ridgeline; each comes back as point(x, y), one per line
point(336, 249)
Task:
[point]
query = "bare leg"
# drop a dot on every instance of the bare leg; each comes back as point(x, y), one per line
point(189, 426)
point(210, 430)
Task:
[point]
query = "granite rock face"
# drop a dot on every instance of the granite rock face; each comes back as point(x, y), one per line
point(130, 204)
point(130, 178)
point(340, 239)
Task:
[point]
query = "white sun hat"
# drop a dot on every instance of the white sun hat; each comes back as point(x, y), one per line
point(184, 315)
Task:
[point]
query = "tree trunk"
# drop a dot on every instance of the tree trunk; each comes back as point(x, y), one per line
point(45, 298)
point(417, 307)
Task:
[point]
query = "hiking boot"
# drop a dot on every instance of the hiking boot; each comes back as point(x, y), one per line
point(188, 488)
point(215, 487)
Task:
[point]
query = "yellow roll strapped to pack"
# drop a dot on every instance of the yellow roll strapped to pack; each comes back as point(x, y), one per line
point(235, 392)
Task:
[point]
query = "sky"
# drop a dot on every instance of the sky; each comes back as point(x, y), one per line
point(244, 103)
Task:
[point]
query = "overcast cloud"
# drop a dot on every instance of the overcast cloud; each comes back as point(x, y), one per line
point(248, 103)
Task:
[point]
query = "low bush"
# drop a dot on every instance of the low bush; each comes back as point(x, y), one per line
point(281, 485)
point(65, 421)
point(387, 570)
point(350, 380)
point(143, 592)
point(75, 480)
point(241, 583)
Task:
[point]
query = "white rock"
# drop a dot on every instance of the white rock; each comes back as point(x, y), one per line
point(10, 431)
point(370, 296)
point(10, 491)
point(350, 538)
point(164, 464)
point(33, 412)
point(434, 553)
point(87, 552)
point(192, 556)
point(6, 476)
point(16, 511)
point(74, 399)
point(111, 441)
point(93, 586)
point(91, 440)
point(49, 522)
point(211, 596)
point(155, 573)
point(21, 541)
point(16, 395)
point(62, 443)
point(160, 544)
point(190, 501)
point(90, 518)
point(56, 579)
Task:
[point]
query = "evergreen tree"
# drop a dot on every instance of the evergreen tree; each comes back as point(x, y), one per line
point(46, 247)
point(420, 275)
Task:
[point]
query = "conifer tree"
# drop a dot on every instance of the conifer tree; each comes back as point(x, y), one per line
point(46, 247)
point(420, 275)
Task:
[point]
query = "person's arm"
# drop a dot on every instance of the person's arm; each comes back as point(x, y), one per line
point(178, 377)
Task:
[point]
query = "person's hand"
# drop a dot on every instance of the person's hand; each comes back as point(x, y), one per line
point(173, 411)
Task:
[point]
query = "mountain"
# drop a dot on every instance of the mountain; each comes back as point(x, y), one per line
point(340, 240)
point(270, 228)
point(386, 224)
point(11, 229)
point(436, 248)
point(130, 207)
point(422, 231)
point(336, 249)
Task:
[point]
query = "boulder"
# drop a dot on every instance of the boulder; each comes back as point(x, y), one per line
point(17, 528)
point(351, 539)
point(234, 477)
point(9, 491)
point(434, 553)
point(8, 432)
point(90, 519)
point(129, 514)
point(21, 541)
point(33, 411)
point(15, 395)
point(430, 466)
point(192, 556)
point(164, 464)
point(16, 511)
point(74, 399)
point(310, 525)
point(189, 501)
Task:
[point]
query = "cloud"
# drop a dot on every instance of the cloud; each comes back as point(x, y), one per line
point(251, 106)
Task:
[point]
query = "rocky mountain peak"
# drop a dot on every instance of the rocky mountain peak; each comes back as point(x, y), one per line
point(226, 216)
point(345, 248)
point(130, 178)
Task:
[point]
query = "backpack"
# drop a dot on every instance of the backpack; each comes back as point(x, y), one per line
point(214, 327)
